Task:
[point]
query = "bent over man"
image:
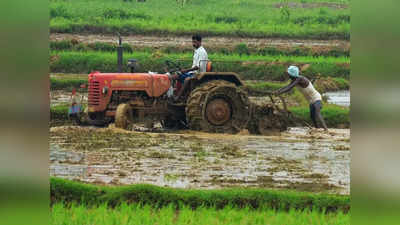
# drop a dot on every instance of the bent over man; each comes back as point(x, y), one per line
point(309, 92)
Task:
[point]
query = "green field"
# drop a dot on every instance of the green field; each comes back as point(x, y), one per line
point(249, 67)
point(312, 19)
point(65, 191)
point(147, 215)
point(77, 203)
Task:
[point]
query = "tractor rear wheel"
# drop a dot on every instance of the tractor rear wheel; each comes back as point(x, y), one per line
point(218, 106)
point(123, 116)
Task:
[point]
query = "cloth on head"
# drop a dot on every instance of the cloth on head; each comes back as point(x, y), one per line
point(293, 71)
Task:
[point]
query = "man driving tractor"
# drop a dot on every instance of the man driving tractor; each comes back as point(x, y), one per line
point(200, 59)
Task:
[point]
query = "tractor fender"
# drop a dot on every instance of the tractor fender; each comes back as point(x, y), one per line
point(228, 76)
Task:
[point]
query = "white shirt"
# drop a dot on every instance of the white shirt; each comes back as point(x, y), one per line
point(200, 59)
point(310, 93)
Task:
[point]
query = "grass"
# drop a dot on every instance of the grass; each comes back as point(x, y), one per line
point(66, 83)
point(334, 116)
point(59, 112)
point(252, 18)
point(146, 214)
point(240, 49)
point(67, 192)
point(254, 67)
point(322, 85)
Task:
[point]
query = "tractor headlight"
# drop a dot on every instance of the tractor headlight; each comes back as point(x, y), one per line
point(105, 90)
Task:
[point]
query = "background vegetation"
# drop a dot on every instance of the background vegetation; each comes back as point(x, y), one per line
point(239, 49)
point(250, 18)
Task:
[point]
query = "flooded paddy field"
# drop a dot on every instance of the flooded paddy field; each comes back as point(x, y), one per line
point(300, 158)
point(341, 98)
point(63, 97)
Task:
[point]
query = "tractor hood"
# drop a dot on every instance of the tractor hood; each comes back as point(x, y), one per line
point(102, 85)
point(154, 85)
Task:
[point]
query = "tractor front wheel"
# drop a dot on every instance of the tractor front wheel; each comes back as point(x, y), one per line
point(123, 116)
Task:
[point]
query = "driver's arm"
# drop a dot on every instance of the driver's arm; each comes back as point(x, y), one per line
point(191, 69)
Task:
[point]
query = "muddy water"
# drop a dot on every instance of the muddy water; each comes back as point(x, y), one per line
point(62, 97)
point(210, 42)
point(341, 98)
point(301, 159)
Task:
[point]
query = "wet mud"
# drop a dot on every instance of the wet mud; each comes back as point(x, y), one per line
point(300, 158)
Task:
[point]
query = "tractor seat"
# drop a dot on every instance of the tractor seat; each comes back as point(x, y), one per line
point(205, 66)
point(209, 66)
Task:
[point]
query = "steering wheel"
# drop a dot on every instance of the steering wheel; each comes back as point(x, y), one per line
point(171, 64)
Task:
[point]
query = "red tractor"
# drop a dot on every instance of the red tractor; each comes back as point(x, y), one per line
point(213, 102)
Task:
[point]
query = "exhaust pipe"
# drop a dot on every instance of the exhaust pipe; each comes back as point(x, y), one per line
point(120, 54)
point(132, 63)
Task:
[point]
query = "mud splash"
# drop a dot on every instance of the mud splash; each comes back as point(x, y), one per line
point(301, 159)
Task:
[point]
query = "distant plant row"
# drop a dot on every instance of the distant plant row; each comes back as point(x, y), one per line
point(240, 49)
point(248, 67)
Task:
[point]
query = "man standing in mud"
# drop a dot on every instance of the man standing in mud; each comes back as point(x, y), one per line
point(309, 92)
point(200, 58)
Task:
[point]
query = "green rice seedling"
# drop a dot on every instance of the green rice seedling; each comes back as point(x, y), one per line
point(68, 192)
point(68, 45)
point(146, 215)
point(252, 18)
